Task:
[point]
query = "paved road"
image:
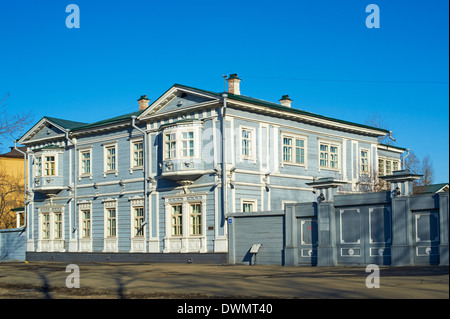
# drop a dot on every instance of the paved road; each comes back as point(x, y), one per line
point(48, 280)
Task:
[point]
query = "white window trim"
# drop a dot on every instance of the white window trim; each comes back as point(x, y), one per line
point(105, 159)
point(108, 204)
point(178, 131)
point(252, 156)
point(132, 142)
point(248, 200)
point(305, 147)
point(361, 172)
point(329, 143)
point(52, 242)
point(80, 160)
point(390, 159)
point(84, 206)
point(136, 202)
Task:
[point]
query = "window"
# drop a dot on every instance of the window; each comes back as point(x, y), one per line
point(45, 226)
point(177, 220)
point(248, 206)
point(58, 225)
point(38, 166)
point(247, 143)
point(386, 166)
point(293, 150)
point(111, 222)
point(195, 219)
point(364, 161)
point(111, 158)
point(138, 220)
point(329, 156)
point(50, 165)
point(85, 163)
point(138, 154)
point(170, 145)
point(187, 144)
point(86, 223)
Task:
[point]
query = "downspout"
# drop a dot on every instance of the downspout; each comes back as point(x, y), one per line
point(75, 212)
point(146, 157)
point(224, 165)
point(24, 184)
point(390, 136)
point(404, 157)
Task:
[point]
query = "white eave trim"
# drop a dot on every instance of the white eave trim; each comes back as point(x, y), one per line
point(307, 118)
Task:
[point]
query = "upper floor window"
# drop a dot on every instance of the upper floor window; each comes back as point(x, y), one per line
point(170, 146)
point(364, 164)
point(294, 150)
point(110, 159)
point(187, 144)
point(49, 165)
point(38, 166)
point(329, 155)
point(247, 143)
point(85, 162)
point(386, 166)
point(138, 154)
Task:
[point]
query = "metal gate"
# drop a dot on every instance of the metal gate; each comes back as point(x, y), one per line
point(307, 241)
point(364, 235)
point(425, 236)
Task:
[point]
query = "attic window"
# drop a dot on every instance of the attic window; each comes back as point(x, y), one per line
point(183, 95)
point(50, 126)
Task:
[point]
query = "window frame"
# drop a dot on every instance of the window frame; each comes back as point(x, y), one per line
point(82, 160)
point(139, 158)
point(362, 158)
point(195, 219)
point(107, 156)
point(294, 138)
point(251, 145)
point(329, 154)
point(247, 201)
point(177, 226)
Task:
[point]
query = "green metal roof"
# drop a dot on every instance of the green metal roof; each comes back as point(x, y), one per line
point(112, 120)
point(427, 189)
point(69, 125)
point(77, 126)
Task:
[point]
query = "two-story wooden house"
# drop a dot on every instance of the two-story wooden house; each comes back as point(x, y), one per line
point(164, 178)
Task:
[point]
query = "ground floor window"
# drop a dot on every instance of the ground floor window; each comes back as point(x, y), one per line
point(138, 221)
point(177, 220)
point(195, 219)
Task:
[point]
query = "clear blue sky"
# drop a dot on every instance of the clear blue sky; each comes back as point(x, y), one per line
point(319, 52)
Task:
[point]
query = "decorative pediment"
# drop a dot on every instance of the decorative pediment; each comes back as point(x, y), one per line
point(178, 98)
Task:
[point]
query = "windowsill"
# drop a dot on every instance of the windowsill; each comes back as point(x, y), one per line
point(110, 172)
point(84, 176)
point(294, 164)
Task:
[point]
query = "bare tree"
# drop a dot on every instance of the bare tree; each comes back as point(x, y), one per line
point(11, 196)
point(12, 125)
point(378, 121)
point(422, 167)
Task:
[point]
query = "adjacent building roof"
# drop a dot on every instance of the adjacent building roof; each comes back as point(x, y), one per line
point(431, 189)
point(14, 153)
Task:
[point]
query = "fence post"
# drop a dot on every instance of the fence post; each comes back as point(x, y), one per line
point(290, 230)
point(326, 189)
point(444, 225)
point(402, 248)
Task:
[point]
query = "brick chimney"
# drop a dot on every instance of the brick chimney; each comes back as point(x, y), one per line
point(285, 101)
point(143, 102)
point(233, 84)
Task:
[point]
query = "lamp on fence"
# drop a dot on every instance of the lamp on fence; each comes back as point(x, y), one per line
point(322, 197)
point(397, 191)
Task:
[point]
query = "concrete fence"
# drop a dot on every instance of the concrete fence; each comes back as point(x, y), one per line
point(385, 228)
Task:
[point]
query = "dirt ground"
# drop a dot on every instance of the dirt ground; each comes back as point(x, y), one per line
point(37, 280)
